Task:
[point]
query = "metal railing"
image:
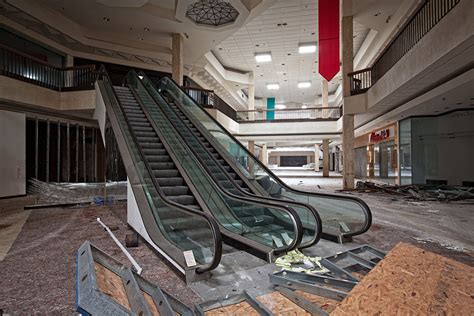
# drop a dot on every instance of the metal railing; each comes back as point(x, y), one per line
point(208, 99)
point(427, 16)
point(17, 65)
point(314, 113)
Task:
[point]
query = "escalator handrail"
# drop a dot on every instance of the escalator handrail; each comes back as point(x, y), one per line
point(264, 199)
point(358, 200)
point(217, 237)
point(292, 213)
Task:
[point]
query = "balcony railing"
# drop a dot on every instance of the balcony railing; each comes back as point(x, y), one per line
point(314, 113)
point(20, 66)
point(208, 99)
point(427, 16)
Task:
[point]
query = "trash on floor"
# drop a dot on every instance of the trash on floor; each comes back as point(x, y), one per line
point(104, 286)
point(298, 262)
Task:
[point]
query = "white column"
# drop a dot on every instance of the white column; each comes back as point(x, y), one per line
point(264, 154)
point(347, 119)
point(177, 58)
point(317, 152)
point(251, 103)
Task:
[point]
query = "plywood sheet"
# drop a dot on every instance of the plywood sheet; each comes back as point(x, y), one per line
point(280, 305)
point(242, 308)
point(111, 284)
point(412, 281)
point(151, 304)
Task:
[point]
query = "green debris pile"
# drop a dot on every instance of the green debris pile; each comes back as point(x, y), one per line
point(297, 262)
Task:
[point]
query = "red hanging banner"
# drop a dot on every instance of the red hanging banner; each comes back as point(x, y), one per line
point(328, 32)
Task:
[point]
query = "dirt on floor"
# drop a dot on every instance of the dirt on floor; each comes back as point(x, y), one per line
point(38, 274)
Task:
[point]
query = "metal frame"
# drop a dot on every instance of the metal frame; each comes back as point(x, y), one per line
point(202, 308)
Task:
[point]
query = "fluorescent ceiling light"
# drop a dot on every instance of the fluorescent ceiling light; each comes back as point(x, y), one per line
point(280, 106)
point(263, 57)
point(307, 48)
point(304, 84)
point(273, 86)
point(303, 106)
point(140, 76)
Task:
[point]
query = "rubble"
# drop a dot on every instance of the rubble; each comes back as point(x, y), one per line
point(419, 192)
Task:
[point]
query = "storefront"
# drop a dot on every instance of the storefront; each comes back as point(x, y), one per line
point(376, 155)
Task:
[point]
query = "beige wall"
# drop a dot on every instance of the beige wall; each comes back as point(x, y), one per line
point(22, 92)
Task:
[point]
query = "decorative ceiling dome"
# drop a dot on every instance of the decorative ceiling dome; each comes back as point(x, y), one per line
point(212, 12)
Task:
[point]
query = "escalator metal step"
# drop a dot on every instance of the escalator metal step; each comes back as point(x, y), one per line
point(176, 190)
point(170, 173)
point(182, 199)
point(161, 165)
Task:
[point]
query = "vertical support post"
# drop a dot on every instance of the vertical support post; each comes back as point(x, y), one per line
point(348, 117)
point(177, 58)
point(264, 154)
point(95, 154)
point(84, 152)
point(58, 168)
point(251, 103)
point(77, 152)
point(36, 147)
point(326, 158)
point(251, 147)
point(68, 153)
point(371, 154)
point(316, 157)
point(48, 129)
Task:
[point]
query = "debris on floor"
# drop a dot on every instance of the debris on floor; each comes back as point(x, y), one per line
point(421, 193)
point(412, 281)
point(106, 286)
point(298, 262)
point(54, 193)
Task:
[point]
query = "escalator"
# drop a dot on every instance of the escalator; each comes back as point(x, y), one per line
point(163, 209)
point(342, 216)
point(259, 227)
point(221, 172)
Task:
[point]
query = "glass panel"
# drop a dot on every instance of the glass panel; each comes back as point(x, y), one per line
point(339, 214)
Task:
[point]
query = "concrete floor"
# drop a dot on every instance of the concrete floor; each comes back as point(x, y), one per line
point(38, 271)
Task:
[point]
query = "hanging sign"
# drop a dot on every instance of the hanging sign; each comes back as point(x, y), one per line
point(328, 32)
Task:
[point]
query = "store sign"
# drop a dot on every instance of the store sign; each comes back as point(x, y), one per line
point(379, 136)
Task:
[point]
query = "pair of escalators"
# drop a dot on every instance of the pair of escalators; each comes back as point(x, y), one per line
point(195, 184)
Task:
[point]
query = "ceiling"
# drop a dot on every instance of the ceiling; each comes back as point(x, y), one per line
point(279, 30)
point(142, 28)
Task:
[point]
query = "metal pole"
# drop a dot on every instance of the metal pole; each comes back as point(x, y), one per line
point(68, 148)
point(77, 152)
point(59, 153)
point(48, 125)
point(36, 148)
point(94, 140)
point(84, 152)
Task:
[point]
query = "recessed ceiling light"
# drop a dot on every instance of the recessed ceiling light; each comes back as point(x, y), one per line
point(307, 48)
point(263, 57)
point(304, 84)
point(273, 86)
point(303, 106)
point(280, 106)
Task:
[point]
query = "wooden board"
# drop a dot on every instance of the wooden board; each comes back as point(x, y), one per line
point(280, 305)
point(111, 284)
point(412, 281)
point(242, 308)
point(151, 304)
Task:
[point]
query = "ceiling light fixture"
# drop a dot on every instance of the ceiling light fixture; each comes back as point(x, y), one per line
point(303, 107)
point(304, 84)
point(280, 106)
point(273, 86)
point(307, 48)
point(263, 57)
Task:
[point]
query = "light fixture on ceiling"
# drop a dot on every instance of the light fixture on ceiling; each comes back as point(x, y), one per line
point(307, 48)
point(140, 76)
point(280, 106)
point(273, 86)
point(304, 84)
point(303, 107)
point(263, 57)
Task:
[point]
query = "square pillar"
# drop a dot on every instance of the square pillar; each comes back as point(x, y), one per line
point(326, 158)
point(177, 59)
point(251, 103)
point(316, 157)
point(264, 154)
